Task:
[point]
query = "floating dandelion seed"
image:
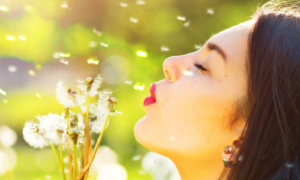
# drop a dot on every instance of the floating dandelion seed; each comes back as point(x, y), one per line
point(2, 92)
point(97, 32)
point(103, 44)
point(210, 11)
point(64, 61)
point(139, 87)
point(56, 55)
point(28, 8)
point(134, 20)
point(93, 60)
point(128, 82)
point(123, 4)
point(12, 68)
point(164, 48)
point(186, 24)
point(188, 73)
point(140, 2)
point(64, 5)
point(38, 95)
point(64, 54)
point(137, 157)
point(197, 46)
point(23, 38)
point(5, 101)
point(92, 44)
point(4, 8)
point(31, 73)
point(141, 53)
point(172, 138)
point(181, 18)
point(10, 38)
point(48, 177)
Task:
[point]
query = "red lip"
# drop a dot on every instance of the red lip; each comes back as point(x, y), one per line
point(150, 99)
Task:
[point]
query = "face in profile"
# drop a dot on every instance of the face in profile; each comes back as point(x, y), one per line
point(198, 100)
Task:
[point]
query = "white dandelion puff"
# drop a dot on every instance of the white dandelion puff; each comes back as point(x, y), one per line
point(68, 97)
point(34, 135)
point(95, 85)
point(54, 126)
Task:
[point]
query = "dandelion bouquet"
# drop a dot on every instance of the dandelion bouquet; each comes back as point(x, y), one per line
point(72, 131)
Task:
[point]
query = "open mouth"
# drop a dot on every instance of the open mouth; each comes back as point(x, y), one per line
point(150, 99)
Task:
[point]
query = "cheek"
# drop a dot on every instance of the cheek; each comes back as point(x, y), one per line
point(194, 116)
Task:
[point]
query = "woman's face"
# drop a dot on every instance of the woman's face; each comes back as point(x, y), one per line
point(194, 108)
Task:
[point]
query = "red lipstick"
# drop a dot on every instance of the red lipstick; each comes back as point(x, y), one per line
point(150, 99)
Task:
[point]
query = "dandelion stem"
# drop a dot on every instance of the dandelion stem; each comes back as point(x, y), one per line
point(80, 149)
point(56, 157)
point(75, 160)
point(69, 162)
point(83, 172)
point(62, 162)
point(87, 142)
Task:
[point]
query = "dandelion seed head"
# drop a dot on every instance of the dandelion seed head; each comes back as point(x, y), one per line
point(31, 73)
point(34, 135)
point(123, 4)
point(188, 73)
point(9, 37)
point(210, 11)
point(68, 97)
point(134, 20)
point(12, 68)
point(95, 85)
point(181, 18)
point(164, 48)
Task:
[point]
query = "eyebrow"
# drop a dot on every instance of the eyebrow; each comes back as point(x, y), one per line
point(212, 46)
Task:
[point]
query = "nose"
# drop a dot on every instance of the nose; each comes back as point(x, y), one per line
point(172, 67)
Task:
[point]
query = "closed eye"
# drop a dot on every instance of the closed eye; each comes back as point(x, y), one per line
point(199, 66)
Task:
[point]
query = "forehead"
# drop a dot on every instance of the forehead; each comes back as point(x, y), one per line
point(234, 40)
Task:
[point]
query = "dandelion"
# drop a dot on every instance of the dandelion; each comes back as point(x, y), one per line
point(91, 85)
point(34, 135)
point(68, 97)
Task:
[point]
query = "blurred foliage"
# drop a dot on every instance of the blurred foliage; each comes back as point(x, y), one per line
point(49, 28)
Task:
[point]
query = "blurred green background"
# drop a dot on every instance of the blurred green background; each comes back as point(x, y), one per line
point(43, 41)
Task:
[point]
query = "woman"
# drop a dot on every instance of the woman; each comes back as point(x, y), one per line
point(237, 99)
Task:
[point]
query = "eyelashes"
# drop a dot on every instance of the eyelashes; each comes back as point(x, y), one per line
point(199, 66)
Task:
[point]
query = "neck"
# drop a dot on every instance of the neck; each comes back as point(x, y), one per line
point(199, 169)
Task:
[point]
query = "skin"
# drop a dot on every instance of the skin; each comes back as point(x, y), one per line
point(190, 123)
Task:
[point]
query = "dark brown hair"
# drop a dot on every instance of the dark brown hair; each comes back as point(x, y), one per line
point(271, 145)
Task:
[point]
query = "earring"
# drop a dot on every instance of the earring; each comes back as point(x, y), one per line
point(228, 149)
point(228, 163)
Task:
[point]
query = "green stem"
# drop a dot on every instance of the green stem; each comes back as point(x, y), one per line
point(84, 171)
point(56, 157)
point(62, 162)
point(75, 169)
point(87, 142)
